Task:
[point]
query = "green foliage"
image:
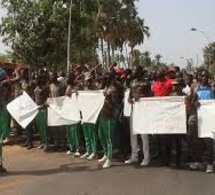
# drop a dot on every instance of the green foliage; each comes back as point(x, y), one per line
point(4, 58)
point(37, 30)
point(209, 57)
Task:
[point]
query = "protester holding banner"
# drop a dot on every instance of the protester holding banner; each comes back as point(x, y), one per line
point(56, 134)
point(157, 113)
point(72, 130)
point(107, 122)
point(3, 117)
point(89, 129)
point(5, 114)
point(176, 139)
point(41, 95)
point(203, 145)
point(139, 88)
point(26, 86)
point(160, 88)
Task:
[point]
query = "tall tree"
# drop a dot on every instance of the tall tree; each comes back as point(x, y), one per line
point(146, 59)
point(118, 23)
point(158, 59)
point(37, 30)
point(209, 57)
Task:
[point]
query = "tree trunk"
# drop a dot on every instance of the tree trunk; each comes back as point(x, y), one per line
point(113, 53)
point(132, 58)
point(109, 56)
point(80, 56)
point(102, 49)
point(127, 56)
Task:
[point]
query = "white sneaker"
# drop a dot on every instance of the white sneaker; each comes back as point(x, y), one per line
point(84, 156)
point(145, 162)
point(103, 159)
point(209, 169)
point(107, 164)
point(77, 154)
point(40, 146)
point(196, 166)
point(69, 152)
point(6, 141)
point(91, 156)
point(131, 160)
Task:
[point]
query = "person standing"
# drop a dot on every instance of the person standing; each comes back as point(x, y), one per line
point(89, 128)
point(160, 88)
point(203, 147)
point(176, 139)
point(4, 87)
point(41, 95)
point(72, 130)
point(113, 99)
point(26, 86)
point(3, 119)
point(55, 90)
point(139, 88)
point(188, 82)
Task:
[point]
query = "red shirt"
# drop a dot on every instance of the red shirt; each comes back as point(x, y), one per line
point(162, 88)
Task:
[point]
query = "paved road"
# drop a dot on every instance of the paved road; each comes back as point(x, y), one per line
point(37, 173)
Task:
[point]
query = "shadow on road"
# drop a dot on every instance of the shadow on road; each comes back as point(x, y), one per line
point(66, 168)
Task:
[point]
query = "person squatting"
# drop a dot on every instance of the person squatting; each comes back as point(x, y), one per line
point(112, 135)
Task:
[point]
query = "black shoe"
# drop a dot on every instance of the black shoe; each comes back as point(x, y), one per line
point(30, 147)
point(164, 164)
point(3, 170)
point(25, 145)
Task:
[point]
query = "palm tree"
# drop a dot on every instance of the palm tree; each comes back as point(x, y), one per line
point(118, 23)
point(146, 59)
point(137, 32)
point(209, 57)
point(158, 59)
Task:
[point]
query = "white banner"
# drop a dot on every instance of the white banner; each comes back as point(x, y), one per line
point(163, 115)
point(23, 109)
point(127, 105)
point(206, 118)
point(63, 111)
point(90, 104)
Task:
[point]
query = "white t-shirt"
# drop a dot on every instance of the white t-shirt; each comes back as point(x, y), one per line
point(186, 90)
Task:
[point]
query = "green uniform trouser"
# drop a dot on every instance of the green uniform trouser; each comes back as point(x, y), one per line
point(5, 125)
point(106, 127)
point(89, 136)
point(3, 121)
point(72, 136)
point(41, 125)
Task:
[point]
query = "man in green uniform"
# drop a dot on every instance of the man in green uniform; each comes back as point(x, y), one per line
point(72, 130)
point(3, 120)
point(89, 129)
point(113, 99)
point(41, 95)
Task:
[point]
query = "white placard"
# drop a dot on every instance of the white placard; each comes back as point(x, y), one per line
point(206, 118)
point(90, 104)
point(163, 115)
point(127, 105)
point(63, 111)
point(23, 109)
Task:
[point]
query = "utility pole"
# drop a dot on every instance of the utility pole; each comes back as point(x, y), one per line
point(69, 40)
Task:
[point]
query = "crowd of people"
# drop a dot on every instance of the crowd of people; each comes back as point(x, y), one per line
point(113, 133)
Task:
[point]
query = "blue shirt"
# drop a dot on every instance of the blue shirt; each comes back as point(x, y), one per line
point(204, 93)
